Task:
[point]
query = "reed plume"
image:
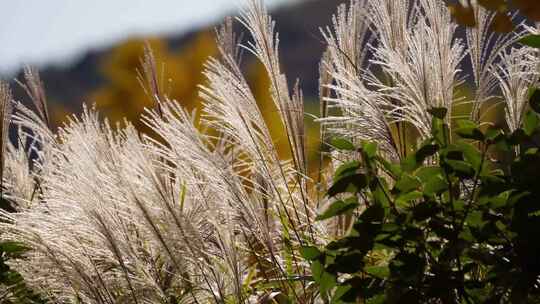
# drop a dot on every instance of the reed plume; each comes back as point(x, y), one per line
point(5, 120)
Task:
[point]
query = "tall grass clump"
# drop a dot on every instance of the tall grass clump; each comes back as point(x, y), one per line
point(204, 210)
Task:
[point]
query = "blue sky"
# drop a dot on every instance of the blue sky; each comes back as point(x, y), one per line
point(44, 31)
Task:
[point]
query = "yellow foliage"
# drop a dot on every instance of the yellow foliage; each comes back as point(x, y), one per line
point(123, 95)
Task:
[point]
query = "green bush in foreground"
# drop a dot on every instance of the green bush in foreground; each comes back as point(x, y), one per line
point(457, 226)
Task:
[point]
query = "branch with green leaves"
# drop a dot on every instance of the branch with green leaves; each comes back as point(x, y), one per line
point(454, 222)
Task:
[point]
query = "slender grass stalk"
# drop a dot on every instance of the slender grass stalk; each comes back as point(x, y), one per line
point(5, 120)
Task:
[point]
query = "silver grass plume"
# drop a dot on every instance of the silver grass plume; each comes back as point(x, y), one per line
point(265, 46)
point(6, 108)
point(148, 76)
point(360, 114)
point(390, 21)
point(231, 108)
point(36, 125)
point(347, 36)
point(484, 50)
point(77, 255)
point(19, 178)
point(423, 68)
point(208, 175)
point(228, 41)
point(35, 90)
point(516, 73)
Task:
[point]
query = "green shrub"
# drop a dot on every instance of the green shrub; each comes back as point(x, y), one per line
point(451, 223)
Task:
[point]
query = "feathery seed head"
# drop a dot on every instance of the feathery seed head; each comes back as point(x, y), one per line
point(6, 108)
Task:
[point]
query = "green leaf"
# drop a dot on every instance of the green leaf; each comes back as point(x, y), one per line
point(493, 133)
point(531, 40)
point(500, 200)
point(310, 253)
point(392, 169)
point(341, 291)
point(380, 192)
point(470, 154)
point(388, 227)
point(414, 161)
point(183, 196)
point(369, 224)
point(350, 183)
point(374, 213)
point(338, 208)
point(440, 131)
point(381, 272)
point(403, 199)
point(378, 299)
point(440, 113)
point(13, 247)
point(530, 123)
point(340, 143)
point(370, 148)
point(459, 205)
point(435, 185)
point(466, 235)
point(502, 144)
point(327, 282)
point(426, 173)
point(501, 226)
point(461, 168)
point(347, 168)
point(407, 183)
point(474, 219)
point(409, 163)
point(468, 129)
point(466, 124)
point(531, 151)
point(317, 270)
